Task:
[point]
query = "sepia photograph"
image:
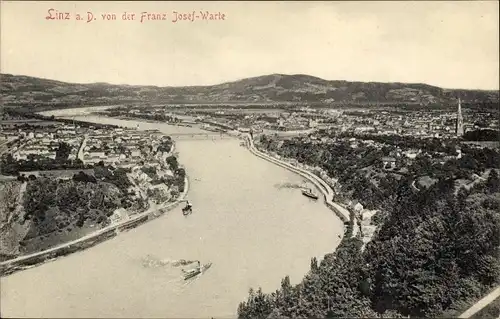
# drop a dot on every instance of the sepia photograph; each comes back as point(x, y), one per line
point(249, 159)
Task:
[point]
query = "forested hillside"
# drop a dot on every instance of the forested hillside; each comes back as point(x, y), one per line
point(17, 90)
point(436, 249)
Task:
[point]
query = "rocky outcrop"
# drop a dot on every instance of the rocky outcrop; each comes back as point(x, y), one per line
point(23, 262)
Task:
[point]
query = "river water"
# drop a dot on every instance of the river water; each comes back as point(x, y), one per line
point(250, 220)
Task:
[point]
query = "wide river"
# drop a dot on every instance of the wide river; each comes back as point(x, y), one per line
point(252, 228)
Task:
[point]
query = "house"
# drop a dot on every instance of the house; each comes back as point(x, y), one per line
point(20, 156)
point(135, 153)
point(143, 177)
point(389, 162)
point(412, 153)
point(358, 208)
point(112, 158)
point(97, 154)
point(160, 187)
point(165, 173)
point(119, 215)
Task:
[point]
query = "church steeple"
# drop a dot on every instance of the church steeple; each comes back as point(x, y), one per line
point(460, 120)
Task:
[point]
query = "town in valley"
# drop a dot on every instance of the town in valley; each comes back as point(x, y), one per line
point(250, 160)
point(64, 178)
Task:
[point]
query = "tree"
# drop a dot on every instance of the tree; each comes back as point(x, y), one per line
point(102, 173)
point(62, 153)
point(436, 247)
point(314, 265)
point(493, 182)
point(172, 163)
point(258, 306)
point(82, 177)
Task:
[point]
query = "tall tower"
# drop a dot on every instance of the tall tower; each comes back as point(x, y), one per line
point(460, 120)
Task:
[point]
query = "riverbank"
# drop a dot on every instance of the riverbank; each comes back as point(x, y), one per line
point(35, 259)
point(320, 184)
point(134, 118)
point(252, 231)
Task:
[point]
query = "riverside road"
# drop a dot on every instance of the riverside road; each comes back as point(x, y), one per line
point(252, 230)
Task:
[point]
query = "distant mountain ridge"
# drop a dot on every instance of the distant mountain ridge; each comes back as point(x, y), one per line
point(18, 90)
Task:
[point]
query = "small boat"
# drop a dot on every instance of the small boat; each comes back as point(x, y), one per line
point(196, 272)
point(187, 211)
point(309, 193)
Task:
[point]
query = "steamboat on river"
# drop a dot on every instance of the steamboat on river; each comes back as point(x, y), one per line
point(237, 191)
point(308, 193)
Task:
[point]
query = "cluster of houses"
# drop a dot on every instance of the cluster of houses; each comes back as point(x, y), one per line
point(149, 185)
point(440, 124)
point(118, 146)
point(428, 124)
point(114, 146)
point(39, 143)
point(278, 121)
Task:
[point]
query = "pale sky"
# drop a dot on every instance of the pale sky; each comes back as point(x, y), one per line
point(448, 44)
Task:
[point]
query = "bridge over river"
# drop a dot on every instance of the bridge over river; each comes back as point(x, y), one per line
point(250, 220)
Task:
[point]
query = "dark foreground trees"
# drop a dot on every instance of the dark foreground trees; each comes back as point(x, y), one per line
point(436, 251)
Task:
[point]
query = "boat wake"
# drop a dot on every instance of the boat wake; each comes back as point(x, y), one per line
point(287, 185)
point(181, 285)
point(182, 262)
point(153, 262)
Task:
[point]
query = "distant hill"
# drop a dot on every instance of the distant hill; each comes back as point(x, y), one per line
point(17, 90)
